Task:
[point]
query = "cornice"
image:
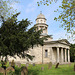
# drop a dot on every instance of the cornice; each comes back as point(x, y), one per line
point(40, 24)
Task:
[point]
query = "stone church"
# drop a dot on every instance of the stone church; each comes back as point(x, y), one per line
point(51, 51)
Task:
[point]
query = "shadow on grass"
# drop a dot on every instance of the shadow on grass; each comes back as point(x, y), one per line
point(30, 71)
point(17, 71)
point(33, 72)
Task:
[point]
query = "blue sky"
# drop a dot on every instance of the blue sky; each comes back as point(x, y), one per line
point(29, 9)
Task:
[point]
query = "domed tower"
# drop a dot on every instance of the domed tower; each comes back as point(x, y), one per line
point(41, 24)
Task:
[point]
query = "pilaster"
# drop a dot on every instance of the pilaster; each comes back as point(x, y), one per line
point(65, 55)
point(62, 55)
point(57, 54)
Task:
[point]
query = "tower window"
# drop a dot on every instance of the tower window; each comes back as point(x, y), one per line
point(41, 21)
point(46, 53)
point(37, 20)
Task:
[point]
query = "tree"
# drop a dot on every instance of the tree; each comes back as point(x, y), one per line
point(16, 39)
point(72, 52)
point(46, 2)
point(5, 9)
point(67, 15)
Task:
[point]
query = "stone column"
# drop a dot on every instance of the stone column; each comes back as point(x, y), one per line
point(68, 55)
point(62, 55)
point(65, 56)
point(57, 54)
point(51, 54)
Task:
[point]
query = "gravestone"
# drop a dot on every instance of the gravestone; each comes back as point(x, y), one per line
point(9, 63)
point(27, 64)
point(13, 64)
point(33, 64)
point(24, 70)
point(74, 67)
point(2, 70)
point(57, 65)
point(18, 64)
point(9, 69)
point(50, 65)
point(42, 68)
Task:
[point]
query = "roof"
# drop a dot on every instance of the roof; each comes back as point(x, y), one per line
point(40, 16)
point(62, 41)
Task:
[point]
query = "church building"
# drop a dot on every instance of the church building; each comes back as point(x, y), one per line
point(51, 51)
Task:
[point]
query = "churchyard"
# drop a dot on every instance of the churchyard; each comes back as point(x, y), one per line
point(43, 69)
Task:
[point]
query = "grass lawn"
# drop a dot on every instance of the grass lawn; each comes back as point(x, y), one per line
point(62, 70)
point(36, 70)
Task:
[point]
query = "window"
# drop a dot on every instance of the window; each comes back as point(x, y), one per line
point(41, 21)
point(46, 53)
point(44, 21)
point(37, 21)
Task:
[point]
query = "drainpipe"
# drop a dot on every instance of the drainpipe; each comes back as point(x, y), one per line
point(42, 54)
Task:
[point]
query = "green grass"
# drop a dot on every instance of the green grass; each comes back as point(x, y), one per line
point(62, 70)
point(36, 70)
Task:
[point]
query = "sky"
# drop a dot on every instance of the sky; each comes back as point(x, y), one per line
point(29, 9)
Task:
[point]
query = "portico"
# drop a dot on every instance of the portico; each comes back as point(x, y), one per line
point(59, 54)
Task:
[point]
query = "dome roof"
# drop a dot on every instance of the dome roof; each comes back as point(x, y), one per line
point(40, 16)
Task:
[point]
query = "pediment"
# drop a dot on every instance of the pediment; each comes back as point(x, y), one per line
point(64, 41)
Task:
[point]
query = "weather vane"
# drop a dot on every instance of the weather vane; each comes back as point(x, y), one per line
point(40, 12)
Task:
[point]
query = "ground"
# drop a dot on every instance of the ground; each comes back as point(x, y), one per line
point(36, 70)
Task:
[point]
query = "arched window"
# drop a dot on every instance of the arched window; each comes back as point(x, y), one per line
point(41, 21)
point(46, 53)
point(44, 21)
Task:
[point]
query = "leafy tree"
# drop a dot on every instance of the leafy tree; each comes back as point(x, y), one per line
point(46, 2)
point(16, 39)
point(67, 15)
point(72, 52)
point(5, 9)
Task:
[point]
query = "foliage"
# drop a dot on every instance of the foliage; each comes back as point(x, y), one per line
point(11, 73)
point(16, 39)
point(46, 2)
point(67, 15)
point(72, 52)
point(6, 10)
point(4, 64)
